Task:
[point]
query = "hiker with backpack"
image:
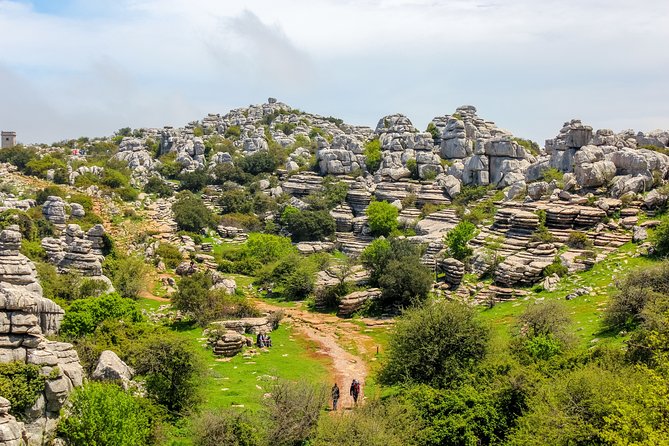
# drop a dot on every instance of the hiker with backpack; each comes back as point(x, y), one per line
point(355, 391)
point(335, 396)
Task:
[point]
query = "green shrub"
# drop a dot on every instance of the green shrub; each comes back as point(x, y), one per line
point(48, 191)
point(412, 165)
point(170, 254)
point(21, 384)
point(529, 145)
point(249, 222)
point(18, 156)
point(660, 238)
point(396, 267)
point(267, 248)
point(171, 371)
point(227, 427)
point(434, 344)
point(457, 238)
point(105, 414)
point(553, 174)
point(579, 240)
point(259, 162)
point(309, 225)
point(556, 268)
point(233, 132)
point(236, 201)
point(373, 155)
point(190, 213)
point(159, 187)
point(127, 274)
point(382, 217)
point(84, 315)
point(194, 181)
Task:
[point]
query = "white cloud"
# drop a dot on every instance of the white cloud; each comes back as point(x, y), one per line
point(528, 65)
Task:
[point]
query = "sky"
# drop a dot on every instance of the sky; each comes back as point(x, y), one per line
point(71, 68)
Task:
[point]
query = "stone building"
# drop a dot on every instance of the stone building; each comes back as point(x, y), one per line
point(8, 140)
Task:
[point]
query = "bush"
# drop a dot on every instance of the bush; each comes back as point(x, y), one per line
point(635, 292)
point(434, 344)
point(267, 248)
point(104, 414)
point(227, 427)
point(556, 268)
point(309, 225)
point(21, 384)
point(235, 201)
point(48, 191)
point(190, 213)
point(579, 240)
point(396, 267)
point(84, 315)
point(169, 254)
point(25, 223)
point(412, 165)
point(660, 238)
point(114, 179)
point(373, 155)
point(259, 162)
point(127, 193)
point(294, 410)
point(171, 370)
point(126, 273)
point(382, 217)
point(194, 181)
point(377, 423)
point(18, 156)
point(159, 187)
point(543, 329)
point(457, 238)
point(249, 222)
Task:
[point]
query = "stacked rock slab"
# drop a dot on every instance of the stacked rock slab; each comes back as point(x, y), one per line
point(226, 343)
point(249, 325)
point(54, 210)
point(453, 269)
point(11, 431)
point(25, 316)
point(355, 301)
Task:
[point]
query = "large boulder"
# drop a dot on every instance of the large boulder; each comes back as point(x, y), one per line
point(111, 368)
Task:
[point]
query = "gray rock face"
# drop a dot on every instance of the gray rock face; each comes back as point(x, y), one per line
point(111, 368)
point(12, 432)
point(54, 210)
point(25, 316)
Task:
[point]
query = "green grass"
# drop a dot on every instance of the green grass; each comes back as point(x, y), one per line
point(242, 381)
point(586, 311)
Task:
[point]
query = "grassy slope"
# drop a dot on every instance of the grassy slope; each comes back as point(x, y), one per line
point(586, 311)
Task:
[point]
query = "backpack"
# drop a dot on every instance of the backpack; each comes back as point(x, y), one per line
point(356, 387)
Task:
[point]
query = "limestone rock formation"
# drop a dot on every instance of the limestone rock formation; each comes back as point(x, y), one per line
point(54, 210)
point(355, 301)
point(111, 368)
point(25, 317)
point(12, 432)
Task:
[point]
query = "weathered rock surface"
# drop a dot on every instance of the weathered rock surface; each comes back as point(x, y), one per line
point(111, 368)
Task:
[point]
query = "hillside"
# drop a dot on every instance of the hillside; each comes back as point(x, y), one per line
point(475, 282)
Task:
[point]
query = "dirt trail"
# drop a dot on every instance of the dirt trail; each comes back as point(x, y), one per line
point(340, 340)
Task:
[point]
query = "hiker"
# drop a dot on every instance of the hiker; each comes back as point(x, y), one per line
point(268, 340)
point(355, 391)
point(259, 340)
point(335, 396)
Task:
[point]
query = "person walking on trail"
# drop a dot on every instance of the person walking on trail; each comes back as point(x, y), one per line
point(355, 391)
point(335, 396)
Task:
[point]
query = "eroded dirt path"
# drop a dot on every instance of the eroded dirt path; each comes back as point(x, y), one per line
point(340, 340)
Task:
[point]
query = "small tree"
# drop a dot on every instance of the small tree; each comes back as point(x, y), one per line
point(170, 369)
point(434, 344)
point(660, 238)
point(190, 213)
point(104, 414)
point(227, 427)
point(457, 238)
point(194, 181)
point(382, 217)
point(294, 410)
point(373, 155)
point(310, 225)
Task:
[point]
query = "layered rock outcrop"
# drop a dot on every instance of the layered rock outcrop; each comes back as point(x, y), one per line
point(25, 317)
